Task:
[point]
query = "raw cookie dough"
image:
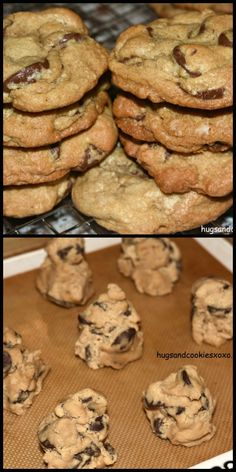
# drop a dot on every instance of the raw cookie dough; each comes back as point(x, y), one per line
point(212, 313)
point(74, 435)
point(65, 278)
point(154, 264)
point(109, 331)
point(180, 408)
point(23, 373)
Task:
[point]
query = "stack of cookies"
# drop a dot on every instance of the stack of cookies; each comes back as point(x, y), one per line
point(175, 118)
point(57, 115)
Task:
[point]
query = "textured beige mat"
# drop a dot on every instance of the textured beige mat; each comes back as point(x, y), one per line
point(166, 326)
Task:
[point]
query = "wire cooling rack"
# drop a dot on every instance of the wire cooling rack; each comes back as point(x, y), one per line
point(65, 219)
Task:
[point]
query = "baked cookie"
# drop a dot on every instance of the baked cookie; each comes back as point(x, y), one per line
point(65, 278)
point(180, 408)
point(21, 129)
point(29, 200)
point(212, 312)
point(178, 129)
point(49, 59)
point(123, 198)
point(169, 10)
point(209, 173)
point(153, 264)
point(79, 152)
point(186, 60)
point(23, 373)
point(110, 334)
point(74, 436)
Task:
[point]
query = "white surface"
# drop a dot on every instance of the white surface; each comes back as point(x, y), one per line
point(216, 461)
point(220, 249)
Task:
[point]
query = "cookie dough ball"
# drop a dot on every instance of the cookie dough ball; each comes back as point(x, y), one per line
point(154, 264)
point(180, 408)
point(110, 332)
point(23, 373)
point(74, 435)
point(65, 277)
point(212, 312)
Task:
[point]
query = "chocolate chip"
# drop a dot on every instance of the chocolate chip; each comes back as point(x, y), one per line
point(213, 94)
point(180, 410)
point(152, 405)
point(214, 311)
point(140, 117)
point(186, 378)
point(92, 451)
point(79, 249)
point(88, 354)
point(109, 448)
point(83, 321)
point(127, 312)
point(78, 37)
point(26, 75)
point(55, 151)
point(127, 60)
point(124, 338)
point(202, 28)
point(101, 305)
point(157, 425)
point(91, 156)
point(63, 253)
point(97, 425)
point(226, 286)
point(47, 445)
point(86, 400)
point(23, 395)
point(180, 59)
point(225, 41)
point(150, 31)
point(7, 362)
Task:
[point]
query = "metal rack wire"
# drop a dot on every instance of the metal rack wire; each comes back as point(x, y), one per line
point(65, 219)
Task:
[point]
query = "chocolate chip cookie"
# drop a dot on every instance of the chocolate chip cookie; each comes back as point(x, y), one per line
point(49, 59)
point(123, 198)
point(153, 264)
point(65, 277)
point(212, 312)
point(177, 128)
point(74, 436)
point(29, 200)
point(23, 373)
point(186, 60)
point(169, 10)
point(29, 130)
point(78, 152)
point(180, 408)
point(209, 173)
point(110, 333)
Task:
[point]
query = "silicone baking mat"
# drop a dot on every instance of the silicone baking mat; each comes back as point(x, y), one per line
point(65, 219)
point(166, 326)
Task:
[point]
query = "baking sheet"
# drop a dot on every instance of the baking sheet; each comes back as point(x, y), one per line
point(166, 326)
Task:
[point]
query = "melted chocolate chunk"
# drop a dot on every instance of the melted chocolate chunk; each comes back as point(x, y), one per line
point(157, 425)
point(101, 305)
point(109, 448)
point(180, 59)
point(214, 311)
point(127, 312)
point(125, 338)
point(150, 31)
point(213, 94)
point(78, 37)
point(180, 410)
point(26, 75)
point(97, 425)
point(92, 451)
point(186, 378)
point(7, 362)
point(225, 41)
